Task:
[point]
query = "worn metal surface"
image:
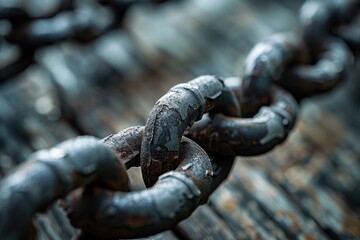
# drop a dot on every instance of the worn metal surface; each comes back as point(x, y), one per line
point(112, 121)
point(176, 194)
point(173, 113)
point(230, 136)
point(53, 174)
point(328, 71)
point(321, 17)
point(266, 62)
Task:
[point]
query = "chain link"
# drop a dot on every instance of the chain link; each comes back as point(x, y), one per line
point(33, 24)
point(247, 115)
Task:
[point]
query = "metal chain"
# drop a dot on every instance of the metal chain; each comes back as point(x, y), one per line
point(191, 138)
point(35, 24)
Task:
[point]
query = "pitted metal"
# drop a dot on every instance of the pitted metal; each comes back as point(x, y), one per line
point(174, 197)
point(231, 136)
point(51, 174)
point(172, 114)
point(247, 116)
point(266, 62)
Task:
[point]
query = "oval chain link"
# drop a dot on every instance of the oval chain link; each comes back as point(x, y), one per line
point(192, 134)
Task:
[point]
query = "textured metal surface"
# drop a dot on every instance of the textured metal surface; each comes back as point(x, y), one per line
point(266, 62)
point(179, 108)
point(287, 219)
point(230, 136)
point(52, 174)
point(176, 194)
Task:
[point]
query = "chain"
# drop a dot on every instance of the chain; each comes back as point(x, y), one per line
point(192, 135)
point(35, 24)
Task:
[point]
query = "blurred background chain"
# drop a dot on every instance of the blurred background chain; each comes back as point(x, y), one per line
point(193, 133)
point(34, 24)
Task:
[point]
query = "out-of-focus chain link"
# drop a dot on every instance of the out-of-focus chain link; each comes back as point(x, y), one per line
point(192, 135)
point(32, 24)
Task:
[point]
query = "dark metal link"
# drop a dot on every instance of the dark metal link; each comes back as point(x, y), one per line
point(38, 23)
point(176, 110)
point(127, 144)
point(16, 10)
point(180, 172)
point(284, 60)
point(266, 62)
point(329, 70)
point(79, 24)
point(109, 215)
point(60, 24)
point(96, 208)
point(319, 17)
point(350, 33)
point(231, 136)
point(25, 59)
point(51, 174)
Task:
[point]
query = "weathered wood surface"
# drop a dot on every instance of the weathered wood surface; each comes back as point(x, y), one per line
point(307, 188)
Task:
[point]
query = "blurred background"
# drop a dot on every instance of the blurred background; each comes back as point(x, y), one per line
point(307, 188)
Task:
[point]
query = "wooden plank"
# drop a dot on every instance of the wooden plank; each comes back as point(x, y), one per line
point(204, 224)
point(274, 202)
point(243, 215)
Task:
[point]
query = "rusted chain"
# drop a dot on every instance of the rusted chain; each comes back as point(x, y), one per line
point(63, 20)
point(34, 24)
point(50, 175)
point(179, 108)
point(329, 70)
point(173, 198)
point(244, 116)
point(350, 33)
point(80, 25)
point(231, 136)
point(319, 18)
point(12, 68)
point(267, 61)
point(32, 9)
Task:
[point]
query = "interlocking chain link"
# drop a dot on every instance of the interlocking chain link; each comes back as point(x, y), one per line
point(35, 24)
point(192, 135)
